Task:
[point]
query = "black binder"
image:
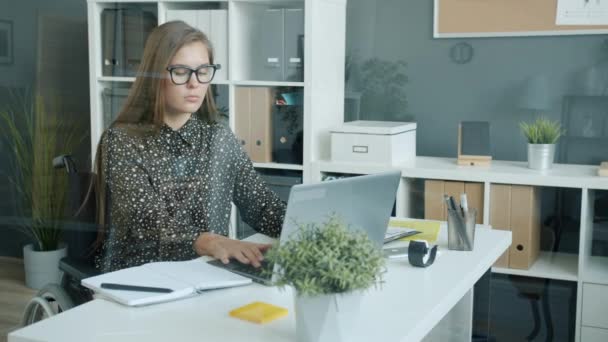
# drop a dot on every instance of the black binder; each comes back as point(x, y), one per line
point(293, 61)
point(288, 134)
point(111, 55)
point(271, 66)
point(124, 34)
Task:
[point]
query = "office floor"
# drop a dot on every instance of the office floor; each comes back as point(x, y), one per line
point(13, 294)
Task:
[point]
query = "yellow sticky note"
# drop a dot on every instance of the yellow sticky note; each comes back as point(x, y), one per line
point(428, 229)
point(259, 312)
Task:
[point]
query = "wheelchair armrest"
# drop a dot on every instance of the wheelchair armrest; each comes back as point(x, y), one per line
point(77, 268)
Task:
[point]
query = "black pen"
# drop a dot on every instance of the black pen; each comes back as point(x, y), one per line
point(112, 286)
point(452, 203)
point(446, 198)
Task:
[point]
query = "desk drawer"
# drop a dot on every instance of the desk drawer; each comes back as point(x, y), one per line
point(595, 310)
point(594, 335)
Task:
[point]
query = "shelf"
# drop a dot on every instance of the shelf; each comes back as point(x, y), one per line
point(596, 270)
point(357, 168)
point(271, 2)
point(500, 171)
point(116, 79)
point(279, 166)
point(198, 2)
point(268, 84)
point(586, 139)
point(561, 266)
point(122, 1)
point(132, 79)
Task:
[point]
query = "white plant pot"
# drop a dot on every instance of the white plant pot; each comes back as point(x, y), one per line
point(327, 318)
point(541, 156)
point(42, 268)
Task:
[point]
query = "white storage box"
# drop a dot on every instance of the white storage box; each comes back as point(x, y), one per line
point(382, 142)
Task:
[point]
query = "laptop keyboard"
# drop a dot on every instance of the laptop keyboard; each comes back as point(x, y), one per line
point(238, 267)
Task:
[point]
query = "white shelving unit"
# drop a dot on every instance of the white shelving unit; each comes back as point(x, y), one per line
point(323, 76)
point(582, 268)
point(323, 83)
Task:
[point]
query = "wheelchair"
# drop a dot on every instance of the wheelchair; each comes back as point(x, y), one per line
point(80, 233)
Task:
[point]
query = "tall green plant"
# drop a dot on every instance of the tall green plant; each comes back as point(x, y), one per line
point(327, 258)
point(34, 137)
point(542, 131)
point(383, 89)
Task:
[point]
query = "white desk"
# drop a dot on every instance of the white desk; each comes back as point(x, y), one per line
point(407, 307)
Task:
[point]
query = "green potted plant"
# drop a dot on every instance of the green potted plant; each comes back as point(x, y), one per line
point(328, 265)
point(542, 135)
point(383, 89)
point(34, 137)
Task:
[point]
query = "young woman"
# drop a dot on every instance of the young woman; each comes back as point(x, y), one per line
point(171, 171)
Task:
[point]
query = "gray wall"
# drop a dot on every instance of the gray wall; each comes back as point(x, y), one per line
point(21, 75)
point(24, 16)
point(492, 87)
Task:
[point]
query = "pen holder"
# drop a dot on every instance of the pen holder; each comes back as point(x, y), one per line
point(461, 230)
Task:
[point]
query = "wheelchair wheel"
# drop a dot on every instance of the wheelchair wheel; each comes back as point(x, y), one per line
point(49, 301)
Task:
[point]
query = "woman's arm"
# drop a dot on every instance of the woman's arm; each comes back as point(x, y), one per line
point(259, 206)
point(223, 248)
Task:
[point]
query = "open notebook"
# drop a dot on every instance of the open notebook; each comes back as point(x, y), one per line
point(184, 278)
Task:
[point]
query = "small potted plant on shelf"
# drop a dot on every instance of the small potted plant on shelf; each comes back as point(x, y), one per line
point(34, 136)
point(329, 265)
point(542, 135)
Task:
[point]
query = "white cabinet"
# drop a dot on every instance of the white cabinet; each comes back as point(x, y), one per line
point(595, 306)
point(594, 335)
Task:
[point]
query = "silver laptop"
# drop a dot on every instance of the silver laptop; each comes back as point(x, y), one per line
point(363, 202)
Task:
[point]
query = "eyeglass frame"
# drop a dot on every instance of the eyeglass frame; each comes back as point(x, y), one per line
point(214, 67)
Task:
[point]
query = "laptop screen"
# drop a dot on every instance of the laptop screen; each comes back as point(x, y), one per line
point(362, 202)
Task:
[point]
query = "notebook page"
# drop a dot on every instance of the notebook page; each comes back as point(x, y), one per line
point(393, 231)
point(138, 276)
point(198, 274)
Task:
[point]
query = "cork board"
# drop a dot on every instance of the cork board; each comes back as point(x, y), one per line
point(496, 18)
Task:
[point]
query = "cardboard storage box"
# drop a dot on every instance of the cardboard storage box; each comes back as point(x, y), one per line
point(382, 142)
point(517, 208)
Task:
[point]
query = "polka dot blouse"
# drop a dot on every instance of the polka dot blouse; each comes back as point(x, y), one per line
point(167, 188)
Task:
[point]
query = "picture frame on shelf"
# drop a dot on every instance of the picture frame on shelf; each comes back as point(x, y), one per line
point(6, 41)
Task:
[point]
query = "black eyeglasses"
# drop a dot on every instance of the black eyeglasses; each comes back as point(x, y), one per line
point(180, 74)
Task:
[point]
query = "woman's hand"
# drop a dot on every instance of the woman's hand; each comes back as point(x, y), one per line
point(223, 248)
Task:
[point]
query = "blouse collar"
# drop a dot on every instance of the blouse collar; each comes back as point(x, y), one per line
point(187, 132)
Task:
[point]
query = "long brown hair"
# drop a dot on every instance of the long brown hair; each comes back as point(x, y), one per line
point(144, 109)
